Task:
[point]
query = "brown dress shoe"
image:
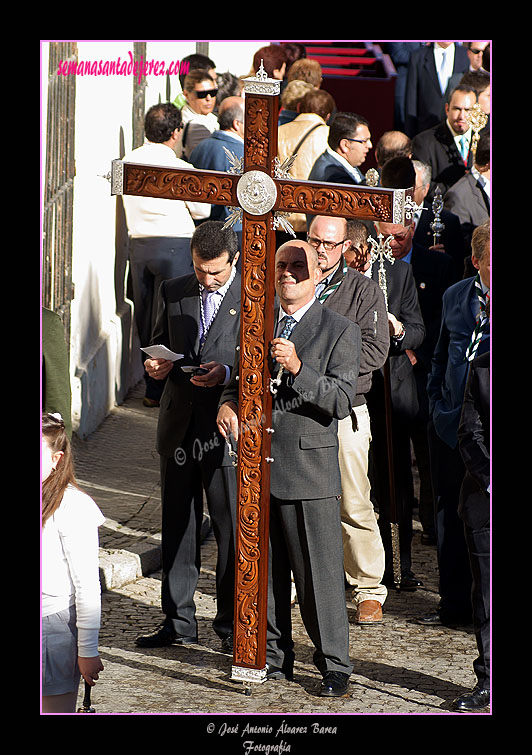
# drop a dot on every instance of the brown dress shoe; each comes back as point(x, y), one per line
point(369, 612)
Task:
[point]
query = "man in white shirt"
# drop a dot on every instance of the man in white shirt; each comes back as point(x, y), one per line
point(159, 229)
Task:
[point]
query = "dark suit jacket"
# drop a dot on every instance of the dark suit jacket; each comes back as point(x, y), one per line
point(474, 444)
point(209, 155)
point(306, 408)
point(452, 236)
point(436, 147)
point(424, 101)
point(403, 302)
point(326, 168)
point(433, 274)
point(449, 369)
point(177, 327)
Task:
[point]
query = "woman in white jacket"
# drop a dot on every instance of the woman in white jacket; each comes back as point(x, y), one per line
point(71, 596)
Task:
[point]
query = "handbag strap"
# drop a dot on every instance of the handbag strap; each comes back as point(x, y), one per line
point(300, 142)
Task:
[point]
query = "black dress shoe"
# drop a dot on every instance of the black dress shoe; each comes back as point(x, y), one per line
point(276, 672)
point(409, 583)
point(227, 643)
point(430, 620)
point(438, 619)
point(163, 637)
point(475, 700)
point(334, 684)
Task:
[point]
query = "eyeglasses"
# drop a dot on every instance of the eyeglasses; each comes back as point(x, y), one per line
point(203, 93)
point(359, 141)
point(327, 245)
point(474, 51)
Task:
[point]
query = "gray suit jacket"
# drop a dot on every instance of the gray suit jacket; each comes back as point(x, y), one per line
point(467, 200)
point(177, 327)
point(360, 299)
point(306, 409)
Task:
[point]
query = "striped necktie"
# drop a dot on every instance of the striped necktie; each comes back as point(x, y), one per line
point(329, 289)
point(482, 321)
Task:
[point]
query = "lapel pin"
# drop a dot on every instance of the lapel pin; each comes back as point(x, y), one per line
point(232, 311)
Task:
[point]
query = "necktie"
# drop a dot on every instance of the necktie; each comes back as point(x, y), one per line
point(482, 321)
point(464, 148)
point(208, 312)
point(288, 323)
point(324, 290)
point(441, 73)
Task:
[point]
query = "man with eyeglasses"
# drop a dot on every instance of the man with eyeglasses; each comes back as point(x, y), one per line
point(347, 147)
point(199, 120)
point(357, 297)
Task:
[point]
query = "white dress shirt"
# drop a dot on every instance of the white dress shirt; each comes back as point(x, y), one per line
point(296, 315)
point(445, 74)
point(458, 138)
point(152, 216)
point(355, 172)
point(481, 178)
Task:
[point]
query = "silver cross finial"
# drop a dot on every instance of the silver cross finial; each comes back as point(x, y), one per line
point(262, 73)
point(380, 251)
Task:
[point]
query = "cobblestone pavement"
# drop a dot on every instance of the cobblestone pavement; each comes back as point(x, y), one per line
point(400, 667)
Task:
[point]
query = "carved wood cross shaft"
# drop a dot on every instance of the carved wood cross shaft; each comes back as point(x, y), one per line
point(260, 193)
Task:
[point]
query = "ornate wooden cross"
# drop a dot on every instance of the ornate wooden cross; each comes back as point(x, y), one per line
point(262, 192)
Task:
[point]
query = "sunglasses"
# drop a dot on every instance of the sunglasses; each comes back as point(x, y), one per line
point(202, 94)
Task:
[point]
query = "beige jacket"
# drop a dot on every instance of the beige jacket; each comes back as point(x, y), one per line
point(289, 135)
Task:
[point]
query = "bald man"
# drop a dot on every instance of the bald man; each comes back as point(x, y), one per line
point(318, 383)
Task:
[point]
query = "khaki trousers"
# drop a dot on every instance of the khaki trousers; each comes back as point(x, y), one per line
point(363, 548)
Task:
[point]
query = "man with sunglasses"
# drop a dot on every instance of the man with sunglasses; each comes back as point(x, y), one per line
point(347, 147)
point(199, 120)
point(475, 51)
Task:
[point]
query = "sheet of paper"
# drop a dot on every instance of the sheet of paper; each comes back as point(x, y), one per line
point(161, 352)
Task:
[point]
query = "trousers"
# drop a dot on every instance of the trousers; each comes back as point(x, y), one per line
point(305, 539)
point(363, 549)
point(183, 481)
